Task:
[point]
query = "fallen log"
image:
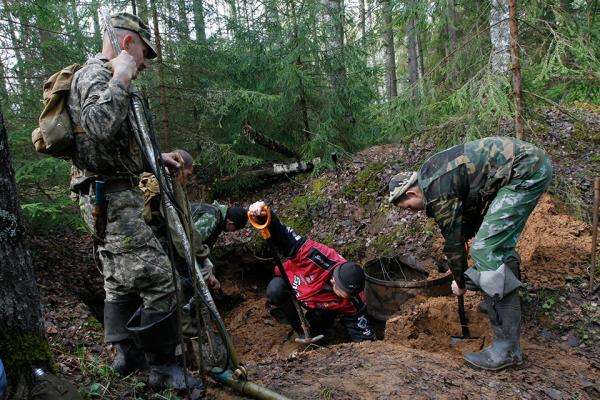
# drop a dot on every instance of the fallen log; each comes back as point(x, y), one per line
point(249, 180)
point(256, 137)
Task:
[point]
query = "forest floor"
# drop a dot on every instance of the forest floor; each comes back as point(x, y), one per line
point(348, 210)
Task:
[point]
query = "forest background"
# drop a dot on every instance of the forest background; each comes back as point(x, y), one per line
point(321, 77)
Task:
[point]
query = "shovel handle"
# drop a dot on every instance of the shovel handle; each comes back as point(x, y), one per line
point(463, 317)
point(263, 228)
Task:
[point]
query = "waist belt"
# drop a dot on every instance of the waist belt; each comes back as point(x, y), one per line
point(112, 185)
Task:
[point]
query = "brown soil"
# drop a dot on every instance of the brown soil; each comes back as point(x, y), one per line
point(553, 247)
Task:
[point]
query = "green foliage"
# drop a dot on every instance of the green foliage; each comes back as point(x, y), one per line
point(268, 65)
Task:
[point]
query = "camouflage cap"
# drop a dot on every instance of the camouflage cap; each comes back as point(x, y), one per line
point(400, 183)
point(133, 23)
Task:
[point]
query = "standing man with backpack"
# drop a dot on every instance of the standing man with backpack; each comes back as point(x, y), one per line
point(137, 271)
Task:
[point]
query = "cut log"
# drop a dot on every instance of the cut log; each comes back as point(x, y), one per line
point(258, 138)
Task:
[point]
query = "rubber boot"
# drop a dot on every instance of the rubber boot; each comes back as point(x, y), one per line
point(129, 358)
point(505, 350)
point(156, 333)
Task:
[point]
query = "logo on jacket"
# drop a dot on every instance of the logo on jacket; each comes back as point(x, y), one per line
point(296, 283)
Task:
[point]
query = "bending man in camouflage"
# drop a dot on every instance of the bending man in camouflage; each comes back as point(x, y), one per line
point(484, 189)
point(213, 219)
point(137, 272)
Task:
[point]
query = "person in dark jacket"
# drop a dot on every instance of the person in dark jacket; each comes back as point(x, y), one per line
point(484, 189)
point(323, 281)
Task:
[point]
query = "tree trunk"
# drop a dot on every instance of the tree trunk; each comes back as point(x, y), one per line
point(516, 68)
point(199, 24)
point(164, 105)
point(362, 19)
point(334, 43)
point(451, 25)
point(232, 20)
point(143, 13)
point(389, 53)
point(16, 44)
point(254, 136)
point(183, 29)
point(96, 21)
point(21, 323)
point(420, 60)
point(451, 28)
point(499, 36)
point(412, 57)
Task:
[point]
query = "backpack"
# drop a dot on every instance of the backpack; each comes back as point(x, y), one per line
point(56, 134)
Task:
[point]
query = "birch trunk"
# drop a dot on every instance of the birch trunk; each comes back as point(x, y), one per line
point(516, 68)
point(499, 37)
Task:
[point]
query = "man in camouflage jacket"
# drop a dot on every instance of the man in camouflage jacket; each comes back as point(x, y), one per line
point(484, 189)
point(213, 219)
point(137, 272)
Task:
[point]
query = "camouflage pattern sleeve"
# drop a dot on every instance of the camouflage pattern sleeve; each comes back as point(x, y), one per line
point(104, 102)
point(205, 224)
point(448, 214)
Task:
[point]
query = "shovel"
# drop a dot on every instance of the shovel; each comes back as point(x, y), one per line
point(264, 230)
point(466, 335)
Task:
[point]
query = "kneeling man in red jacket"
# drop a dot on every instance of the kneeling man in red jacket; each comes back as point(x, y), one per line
point(325, 283)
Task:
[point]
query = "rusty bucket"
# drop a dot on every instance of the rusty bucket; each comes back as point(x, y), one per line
point(391, 281)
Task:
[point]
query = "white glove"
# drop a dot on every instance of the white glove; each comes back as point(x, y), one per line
point(257, 208)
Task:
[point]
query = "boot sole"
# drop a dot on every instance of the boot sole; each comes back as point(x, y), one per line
point(475, 366)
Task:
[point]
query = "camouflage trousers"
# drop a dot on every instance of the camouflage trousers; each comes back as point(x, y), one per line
point(507, 214)
point(134, 263)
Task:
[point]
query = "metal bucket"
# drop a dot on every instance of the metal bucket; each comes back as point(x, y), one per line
point(391, 281)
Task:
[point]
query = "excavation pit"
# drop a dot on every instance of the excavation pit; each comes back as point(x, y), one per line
point(391, 281)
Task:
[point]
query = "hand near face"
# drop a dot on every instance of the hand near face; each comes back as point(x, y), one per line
point(124, 67)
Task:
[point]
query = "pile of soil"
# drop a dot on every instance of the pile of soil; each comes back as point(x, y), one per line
point(553, 247)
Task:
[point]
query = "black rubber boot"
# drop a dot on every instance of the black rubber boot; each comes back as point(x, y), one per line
point(505, 350)
point(129, 358)
point(156, 333)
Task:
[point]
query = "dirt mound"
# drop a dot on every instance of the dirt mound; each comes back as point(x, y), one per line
point(553, 246)
point(256, 334)
point(427, 324)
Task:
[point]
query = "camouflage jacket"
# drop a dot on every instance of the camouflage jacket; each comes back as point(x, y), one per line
point(209, 220)
point(100, 105)
point(459, 183)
